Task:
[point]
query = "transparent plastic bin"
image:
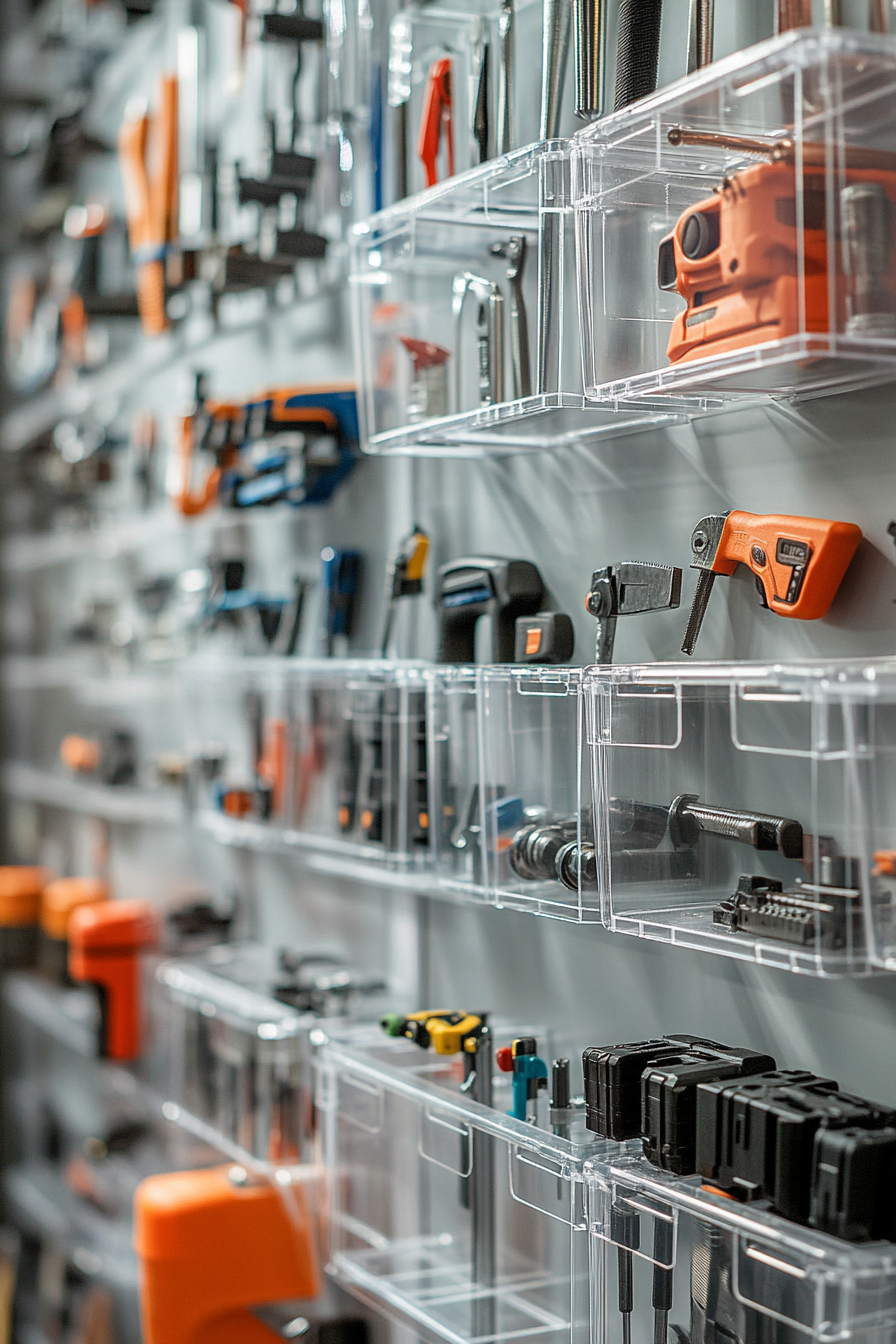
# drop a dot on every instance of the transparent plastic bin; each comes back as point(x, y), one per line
point(238, 1026)
point(336, 745)
point(404, 1150)
point(425, 271)
point(735, 1271)
point(536, 795)
point(781, 159)
point(806, 743)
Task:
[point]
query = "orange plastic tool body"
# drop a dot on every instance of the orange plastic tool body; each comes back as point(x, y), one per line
point(800, 562)
point(210, 1249)
point(437, 116)
point(105, 945)
point(20, 895)
point(747, 288)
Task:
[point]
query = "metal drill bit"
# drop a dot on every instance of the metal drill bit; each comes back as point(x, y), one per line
point(505, 86)
point(700, 34)
point(591, 56)
point(637, 49)
point(554, 56)
point(705, 580)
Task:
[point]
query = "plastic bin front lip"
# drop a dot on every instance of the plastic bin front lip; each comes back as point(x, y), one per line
point(869, 677)
point(486, 1118)
point(752, 1220)
point(799, 45)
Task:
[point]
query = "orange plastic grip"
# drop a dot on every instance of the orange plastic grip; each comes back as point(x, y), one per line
point(436, 114)
point(209, 1250)
point(776, 546)
point(105, 943)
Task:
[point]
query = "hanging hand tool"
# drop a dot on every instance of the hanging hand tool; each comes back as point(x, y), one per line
point(629, 589)
point(506, 78)
point(484, 586)
point(151, 201)
point(530, 1076)
point(295, 27)
point(701, 18)
point(546, 638)
point(489, 336)
point(428, 395)
point(799, 563)
point(340, 583)
point(481, 126)
point(405, 578)
point(591, 56)
point(555, 26)
point(637, 49)
point(514, 251)
point(437, 117)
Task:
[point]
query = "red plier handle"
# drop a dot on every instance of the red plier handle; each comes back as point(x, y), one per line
point(436, 115)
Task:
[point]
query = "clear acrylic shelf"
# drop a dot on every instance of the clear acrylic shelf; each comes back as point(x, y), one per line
point(465, 329)
point(729, 1270)
point(733, 230)
point(805, 885)
point(411, 1163)
point(125, 805)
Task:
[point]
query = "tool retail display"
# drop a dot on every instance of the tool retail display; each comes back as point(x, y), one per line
point(626, 590)
point(467, 589)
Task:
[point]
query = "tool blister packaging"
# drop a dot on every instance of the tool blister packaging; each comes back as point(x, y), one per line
point(465, 329)
point(445, 1214)
point(673, 1260)
point(536, 821)
point(735, 232)
point(735, 809)
point(314, 754)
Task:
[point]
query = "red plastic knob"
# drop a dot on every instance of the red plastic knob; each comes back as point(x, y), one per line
point(504, 1059)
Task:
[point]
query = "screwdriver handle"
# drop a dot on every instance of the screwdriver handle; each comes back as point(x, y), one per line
point(800, 562)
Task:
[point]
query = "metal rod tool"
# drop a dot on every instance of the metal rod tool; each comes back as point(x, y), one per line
point(554, 56)
point(637, 49)
point(591, 56)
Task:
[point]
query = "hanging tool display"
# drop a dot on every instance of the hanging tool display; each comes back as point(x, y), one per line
point(484, 586)
point(340, 585)
point(405, 579)
point(437, 121)
point(506, 78)
point(292, 445)
point(799, 563)
point(629, 589)
point(753, 267)
point(514, 251)
point(530, 1076)
point(590, 20)
point(151, 200)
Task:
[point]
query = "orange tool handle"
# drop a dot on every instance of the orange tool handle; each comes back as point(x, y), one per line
point(800, 562)
point(188, 501)
point(436, 115)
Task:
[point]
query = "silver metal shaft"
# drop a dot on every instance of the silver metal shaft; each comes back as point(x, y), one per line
point(700, 34)
point(606, 638)
point(482, 1199)
point(591, 56)
point(505, 85)
point(556, 17)
point(705, 580)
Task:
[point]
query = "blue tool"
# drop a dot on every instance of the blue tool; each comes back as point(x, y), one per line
point(530, 1075)
point(340, 583)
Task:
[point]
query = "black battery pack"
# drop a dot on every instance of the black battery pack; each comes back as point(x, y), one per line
point(613, 1074)
point(853, 1185)
point(756, 1137)
point(669, 1099)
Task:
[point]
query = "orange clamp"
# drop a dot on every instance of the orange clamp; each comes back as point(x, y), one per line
point(437, 116)
point(20, 893)
point(212, 1244)
point(105, 943)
